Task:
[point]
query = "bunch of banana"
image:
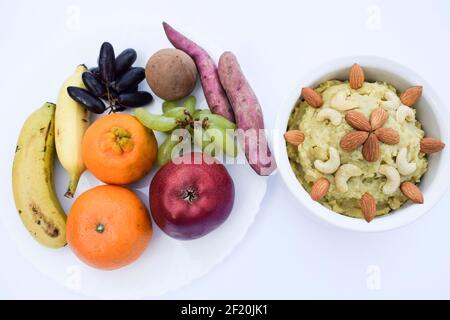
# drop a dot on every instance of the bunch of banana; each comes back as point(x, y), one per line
point(71, 121)
point(33, 186)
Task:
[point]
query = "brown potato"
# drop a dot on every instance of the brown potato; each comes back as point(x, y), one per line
point(171, 74)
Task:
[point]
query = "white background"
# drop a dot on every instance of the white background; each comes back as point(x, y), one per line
point(285, 254)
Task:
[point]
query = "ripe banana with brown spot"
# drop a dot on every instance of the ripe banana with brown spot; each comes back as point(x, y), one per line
point(71, 121)
point(32, 178)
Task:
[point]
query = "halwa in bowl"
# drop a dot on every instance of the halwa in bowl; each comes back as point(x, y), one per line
point(355, 149)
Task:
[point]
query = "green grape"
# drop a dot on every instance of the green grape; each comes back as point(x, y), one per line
point(201, 139)
point(165, 150)
point(189, 103)
point(155, 122)
point(200, 112)
point(168, 105)
point(222, 140)
point(218, 121)
point(177, 113)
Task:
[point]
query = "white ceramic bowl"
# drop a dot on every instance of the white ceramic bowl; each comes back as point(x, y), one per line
point(430, 112)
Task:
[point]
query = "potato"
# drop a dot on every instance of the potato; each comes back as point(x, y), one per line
point(171, 74)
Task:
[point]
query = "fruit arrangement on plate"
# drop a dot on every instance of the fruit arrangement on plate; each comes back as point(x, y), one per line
point(191, 194)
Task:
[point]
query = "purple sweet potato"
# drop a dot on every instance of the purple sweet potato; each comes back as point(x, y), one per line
point(248, 115)
point(209, 78)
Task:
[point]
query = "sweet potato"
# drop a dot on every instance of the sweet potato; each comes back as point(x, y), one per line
point(215, 96)
point(248, 114)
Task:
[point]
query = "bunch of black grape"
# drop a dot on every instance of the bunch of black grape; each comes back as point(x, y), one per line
point(114, 80)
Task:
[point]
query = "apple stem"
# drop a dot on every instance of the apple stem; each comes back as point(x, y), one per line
point(189, 195)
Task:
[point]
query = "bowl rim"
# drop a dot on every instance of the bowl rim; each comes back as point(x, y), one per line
point(408, 213)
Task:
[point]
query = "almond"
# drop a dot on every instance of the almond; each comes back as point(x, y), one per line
point(371, 148)
point(319, 189)
point(431, 145)
point(313, 98)
point(357, 120)
point(412, 192)
point(368, 206)
point(356, 76)
point(353, 140)
point(294, 137)
point(410, 95)
point(378, 118)
point(387, 135)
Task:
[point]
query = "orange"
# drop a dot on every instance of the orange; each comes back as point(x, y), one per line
point(108, 227)
point(118, 149)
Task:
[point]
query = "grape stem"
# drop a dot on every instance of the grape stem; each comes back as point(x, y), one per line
point(190, 121)
point(113, 102)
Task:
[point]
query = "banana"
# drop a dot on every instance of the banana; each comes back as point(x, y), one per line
point(32, 178)
point(71, 121)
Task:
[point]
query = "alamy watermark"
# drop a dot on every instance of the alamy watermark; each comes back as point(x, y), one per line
point(373, 21)
point(73, 18)
point(223, 144)
point(73, 278)
point(373, 280)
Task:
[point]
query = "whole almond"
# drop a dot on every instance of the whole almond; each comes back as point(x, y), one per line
point(387, 135)
point(378, 118)
point(410, 95)
point(319, 189)
point(353, 140)
point(313, 98)
point(431, 145)
point(368, 206)
point(412, 192)
point(357, 120)
point(294, 137)
point(356, 76)
point(371, 148)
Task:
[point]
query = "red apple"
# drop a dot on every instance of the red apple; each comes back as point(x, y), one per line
point(191, 196)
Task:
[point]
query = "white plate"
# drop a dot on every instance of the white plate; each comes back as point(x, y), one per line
point(167, 264)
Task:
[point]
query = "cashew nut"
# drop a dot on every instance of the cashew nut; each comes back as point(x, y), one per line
point(403, 166)
point(392, 100)
point(340, 103)
point(404, 113)
point(330, 114)
point(393, 179)
point(330, 166)
point(345, 172)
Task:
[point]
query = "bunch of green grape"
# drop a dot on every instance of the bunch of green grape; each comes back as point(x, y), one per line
point(211, 132)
